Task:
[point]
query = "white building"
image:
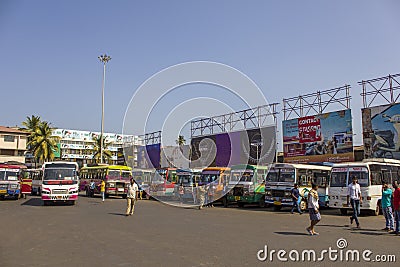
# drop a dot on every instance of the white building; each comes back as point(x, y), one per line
point(78, 146)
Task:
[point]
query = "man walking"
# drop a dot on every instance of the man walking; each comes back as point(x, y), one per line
point(313, 208)
point(396, 206)
point(354, 198)
point(201, 192)
point(387, 208)
point(131, 197)
point(296, 199)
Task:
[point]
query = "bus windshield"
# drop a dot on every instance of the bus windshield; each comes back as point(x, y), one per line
point(242, 176)
point(126, 174)
point(362, 177)
point(114, 174)
point(59, 174)
point(208, 178)
point(286, 175)
point(8, 175)
point(185, 179)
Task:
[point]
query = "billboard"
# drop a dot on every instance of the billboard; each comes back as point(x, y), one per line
point(326, 137)
point(381, 128)
point(149, 156)
point(175, 156)
point(242, 147)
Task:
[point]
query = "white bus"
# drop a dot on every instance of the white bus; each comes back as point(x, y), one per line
point(281, 178)
point(60, 182)
point(371, 174)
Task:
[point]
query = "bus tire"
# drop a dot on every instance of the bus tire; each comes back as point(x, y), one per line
point(240, 204)
point(225, 202)
point(261, 202)
point(107, 195)
point(87, 194)
point(124, 196)
point(46, 203)
point(377, 210)
point(343, 212)
point(277, 208)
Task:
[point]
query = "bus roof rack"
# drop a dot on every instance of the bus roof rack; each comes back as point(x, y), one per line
point(382, 160)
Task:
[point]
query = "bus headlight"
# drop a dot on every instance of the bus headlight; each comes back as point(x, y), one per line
point(287, 194)
point(268, 193)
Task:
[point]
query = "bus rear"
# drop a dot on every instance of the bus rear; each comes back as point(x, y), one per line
point(60, 182)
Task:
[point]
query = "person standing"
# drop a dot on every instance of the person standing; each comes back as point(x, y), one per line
point(296, 198)
point(181, 191)
point(396, 206)
point(92, 187)
point(201, 191)
point(210, 195)
point(354, 198)
point(103, 189)
point(131, 197)
point(387, 208)
point(313, 208)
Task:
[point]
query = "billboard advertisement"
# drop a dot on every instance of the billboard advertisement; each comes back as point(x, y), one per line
point(326, 137)
point(242, 147)
point(149, 156)
point(381, 128)
point(175, 156)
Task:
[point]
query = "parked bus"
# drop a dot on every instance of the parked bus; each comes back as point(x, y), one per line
point(10, 176)
point(60, 182)
point(26, 183)
point(371, 174)
point(163, 183)
point(282, 177)
point(143, 179)
point(116, 177)
point(189, 178)
point(218, 177)
point(248, 185)
point(36, 177)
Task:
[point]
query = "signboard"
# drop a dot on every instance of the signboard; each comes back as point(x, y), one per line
point(175, 156)
point(381, 128)
point(149, 156)
point(326, 137)
point(254, 146)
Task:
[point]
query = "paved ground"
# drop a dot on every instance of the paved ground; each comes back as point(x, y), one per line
point(93, 233)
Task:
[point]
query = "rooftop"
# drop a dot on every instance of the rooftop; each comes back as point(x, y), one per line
point(4, 129)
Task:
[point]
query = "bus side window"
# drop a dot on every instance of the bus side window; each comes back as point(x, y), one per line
point(376, 174)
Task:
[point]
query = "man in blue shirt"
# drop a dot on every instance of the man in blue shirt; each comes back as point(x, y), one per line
point(386, 203)
point(296, 198)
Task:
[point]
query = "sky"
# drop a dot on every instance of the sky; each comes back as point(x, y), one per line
point(49, 65)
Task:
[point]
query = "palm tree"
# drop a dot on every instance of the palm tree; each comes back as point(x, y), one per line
point(42, 142)
point(181, 140)
point(107, 155)
point(31, 124)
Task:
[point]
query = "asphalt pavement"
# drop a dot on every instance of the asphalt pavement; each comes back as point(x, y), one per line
point(93, 233)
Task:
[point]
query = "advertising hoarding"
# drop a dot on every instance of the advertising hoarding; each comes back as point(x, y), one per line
point(149, 156)
point(381, 128)
point(175, 156)
point(326, 137)
point(242, 147)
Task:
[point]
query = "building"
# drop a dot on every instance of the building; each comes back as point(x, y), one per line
point(78, 146)
point(12, 144)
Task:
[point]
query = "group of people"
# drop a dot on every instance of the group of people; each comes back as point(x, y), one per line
point(390, 204)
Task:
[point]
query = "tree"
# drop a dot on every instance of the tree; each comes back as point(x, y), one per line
point(42, 142)
point(31, 124)
point(180, 141)
point(107, 155)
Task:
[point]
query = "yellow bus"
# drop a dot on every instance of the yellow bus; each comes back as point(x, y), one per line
point(116, 177)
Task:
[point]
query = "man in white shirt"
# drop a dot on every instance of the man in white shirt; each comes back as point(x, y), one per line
point(354, 198)
point(131, 197)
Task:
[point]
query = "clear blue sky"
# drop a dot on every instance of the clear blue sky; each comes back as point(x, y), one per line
point(49, 50)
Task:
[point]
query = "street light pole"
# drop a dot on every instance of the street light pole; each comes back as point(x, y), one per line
point(104, 59)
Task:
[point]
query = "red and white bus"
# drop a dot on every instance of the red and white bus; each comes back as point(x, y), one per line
point(60, 182)
point(163, 183)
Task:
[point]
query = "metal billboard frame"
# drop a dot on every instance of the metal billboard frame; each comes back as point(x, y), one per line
point(384, 87)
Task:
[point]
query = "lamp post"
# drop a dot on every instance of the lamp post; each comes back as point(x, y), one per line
point(257, 145)
point(104, 59)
